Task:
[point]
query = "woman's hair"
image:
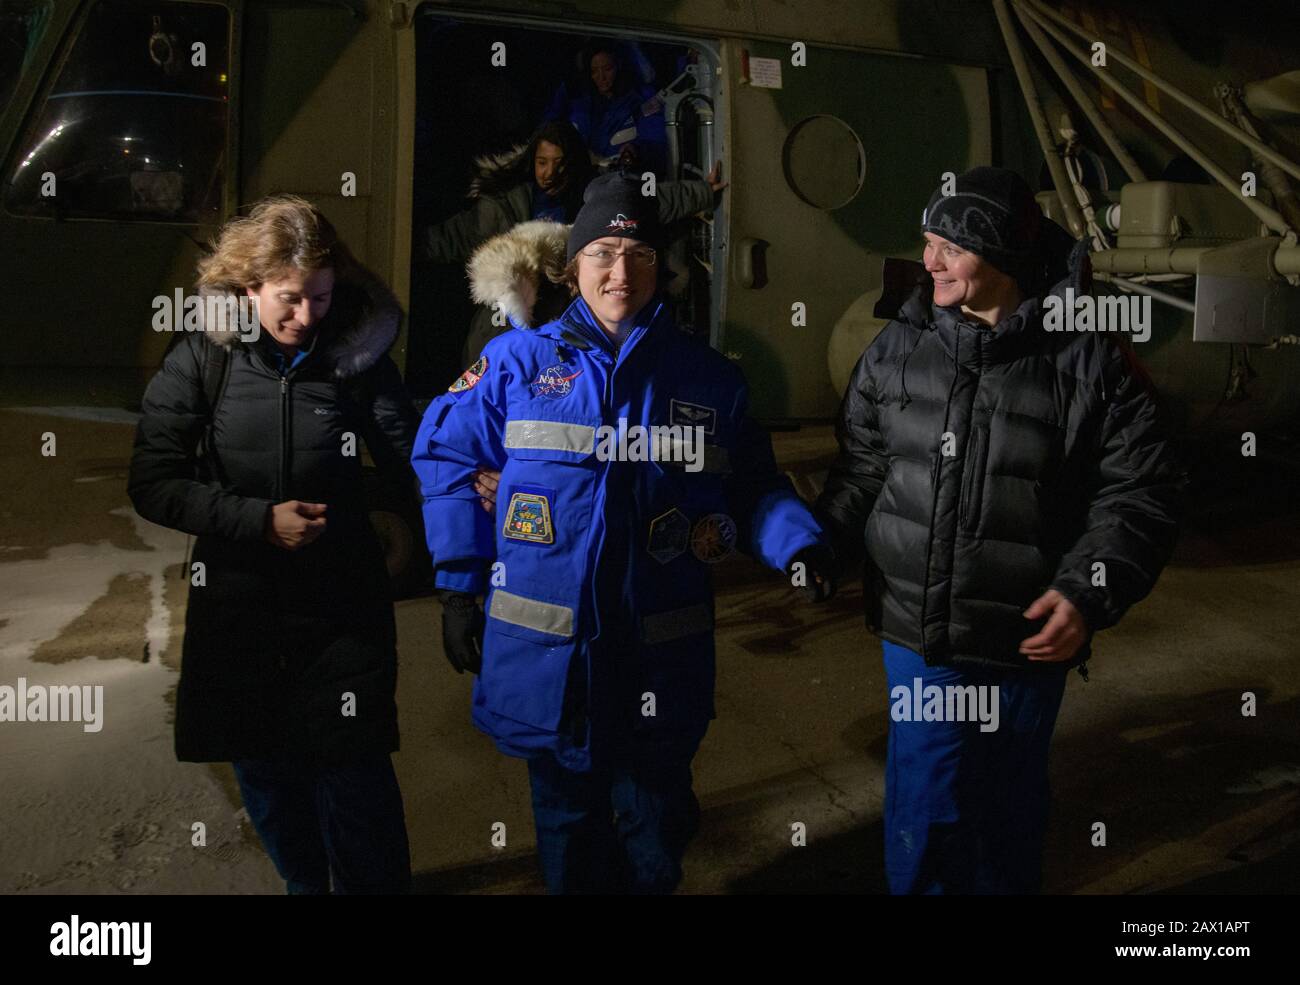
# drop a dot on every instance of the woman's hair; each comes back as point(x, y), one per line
point(568, 277)
point(622, 76)
point(578, 169)
point(281, 233)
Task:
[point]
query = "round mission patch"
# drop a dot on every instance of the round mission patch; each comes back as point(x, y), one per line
point(470, 377)
point(713, 537)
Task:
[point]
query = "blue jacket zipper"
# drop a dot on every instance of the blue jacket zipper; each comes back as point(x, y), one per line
point(602, 529)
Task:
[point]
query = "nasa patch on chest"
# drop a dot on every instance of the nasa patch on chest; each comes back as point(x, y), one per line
point(528, 517)
point(693, 415)
point(554, 382)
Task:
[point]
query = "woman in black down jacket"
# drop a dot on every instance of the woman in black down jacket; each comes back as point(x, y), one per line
point(1015, 493)
point(289, 664)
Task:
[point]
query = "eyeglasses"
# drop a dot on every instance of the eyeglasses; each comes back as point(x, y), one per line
point(604, 259)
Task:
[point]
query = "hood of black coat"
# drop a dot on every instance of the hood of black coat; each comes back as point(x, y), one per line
point(360, 327)
point(496, 174)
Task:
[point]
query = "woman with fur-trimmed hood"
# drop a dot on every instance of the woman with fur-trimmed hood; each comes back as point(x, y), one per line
point(289, 663)
point(596, 568)
point(542, 179)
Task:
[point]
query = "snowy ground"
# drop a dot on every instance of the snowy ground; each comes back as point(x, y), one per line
point(107, 811)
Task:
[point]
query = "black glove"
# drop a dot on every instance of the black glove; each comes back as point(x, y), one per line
point(462, 631)
point(818, 573)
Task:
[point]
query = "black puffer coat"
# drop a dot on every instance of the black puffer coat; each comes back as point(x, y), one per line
point(276, 639)
point(1056, 462)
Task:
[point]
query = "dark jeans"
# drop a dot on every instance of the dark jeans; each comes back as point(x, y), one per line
point(965, 810)
point(318, 822)
point(621, 828)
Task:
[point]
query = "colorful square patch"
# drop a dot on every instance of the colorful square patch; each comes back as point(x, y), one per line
point(528, 517)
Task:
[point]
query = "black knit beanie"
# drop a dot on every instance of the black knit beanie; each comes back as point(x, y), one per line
point(614, 206)
point(991, 213)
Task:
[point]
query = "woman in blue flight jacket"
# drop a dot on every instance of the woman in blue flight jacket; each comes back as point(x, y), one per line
point(597, 654)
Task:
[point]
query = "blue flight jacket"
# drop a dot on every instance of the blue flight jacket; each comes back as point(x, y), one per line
point(599, 121)
point(590, 543)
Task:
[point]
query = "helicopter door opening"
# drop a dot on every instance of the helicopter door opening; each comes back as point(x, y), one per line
point(483, 88)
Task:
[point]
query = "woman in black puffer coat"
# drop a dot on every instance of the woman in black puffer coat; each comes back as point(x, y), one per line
point(289, 664)
point(1015, 493)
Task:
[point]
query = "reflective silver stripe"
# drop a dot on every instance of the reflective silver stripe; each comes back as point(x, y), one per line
point(663, 627)
point(551, 436)
point(531, 614)
point(714, 459)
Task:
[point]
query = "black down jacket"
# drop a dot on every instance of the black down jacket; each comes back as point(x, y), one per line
point(1056, 462)
point(276, 640)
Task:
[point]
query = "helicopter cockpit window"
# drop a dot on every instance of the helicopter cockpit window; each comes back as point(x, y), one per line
point(21, 27)
point(134, 127)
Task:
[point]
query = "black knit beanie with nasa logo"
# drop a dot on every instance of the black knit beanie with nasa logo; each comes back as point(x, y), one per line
point(991, 213)
point(614, 206)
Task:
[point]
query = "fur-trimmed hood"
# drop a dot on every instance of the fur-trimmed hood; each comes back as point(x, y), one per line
point(520, 267)
point(362, 324)
point(495, 174)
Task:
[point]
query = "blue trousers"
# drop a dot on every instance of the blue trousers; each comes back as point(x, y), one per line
point(965, 809)
point(323, 822)
point(621, 828)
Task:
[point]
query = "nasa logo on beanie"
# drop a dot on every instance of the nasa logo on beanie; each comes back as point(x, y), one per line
point(614, 206)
